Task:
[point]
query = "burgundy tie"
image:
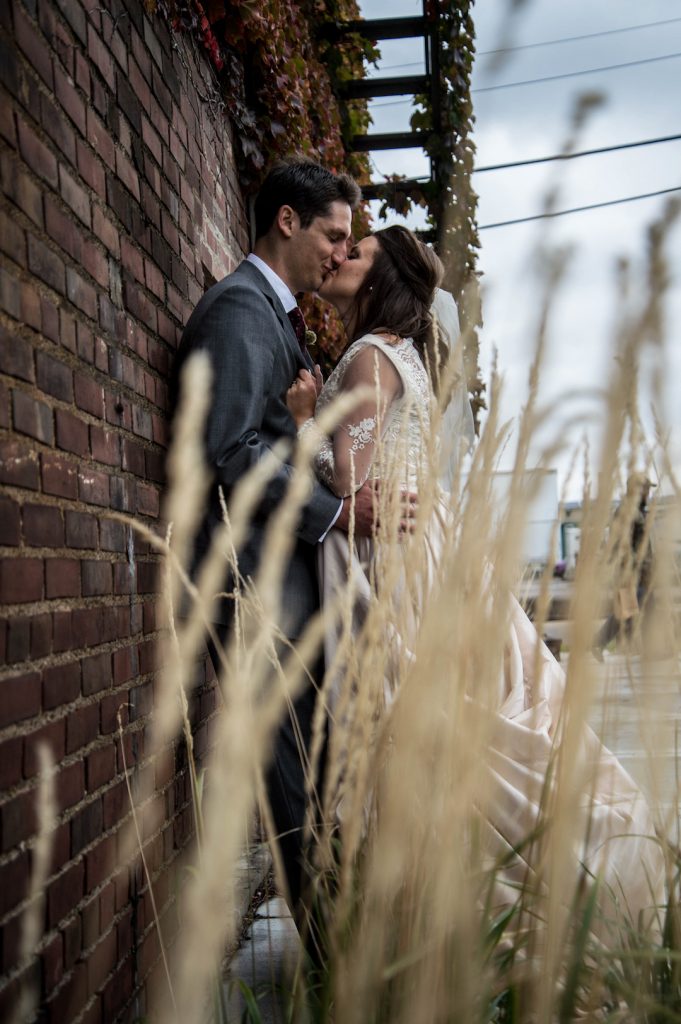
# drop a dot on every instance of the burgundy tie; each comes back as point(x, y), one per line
point(298, 323)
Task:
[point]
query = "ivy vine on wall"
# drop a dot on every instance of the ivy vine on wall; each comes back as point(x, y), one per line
point(279, 76)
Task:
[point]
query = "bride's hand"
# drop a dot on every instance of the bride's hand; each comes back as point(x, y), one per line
point(301, 397)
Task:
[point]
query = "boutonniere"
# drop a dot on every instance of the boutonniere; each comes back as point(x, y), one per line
point(311, 340)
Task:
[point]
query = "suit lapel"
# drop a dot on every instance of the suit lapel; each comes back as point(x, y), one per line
point(261, 282)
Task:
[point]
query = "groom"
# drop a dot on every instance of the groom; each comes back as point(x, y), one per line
point(253, 331)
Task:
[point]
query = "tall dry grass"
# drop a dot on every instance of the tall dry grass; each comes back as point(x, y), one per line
point(432, 906)
point(428, 911)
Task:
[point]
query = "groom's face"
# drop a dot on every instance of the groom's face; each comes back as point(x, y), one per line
point(319, 249)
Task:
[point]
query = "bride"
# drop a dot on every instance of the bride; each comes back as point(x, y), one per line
point(401, 331)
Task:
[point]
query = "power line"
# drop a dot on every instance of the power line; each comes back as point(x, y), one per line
point(579, 209)
point(552, 78)
point(573, 156)
point(576, 74)
point(550, 42)
point(574, 39)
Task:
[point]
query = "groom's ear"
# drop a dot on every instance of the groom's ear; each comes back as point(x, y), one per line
point(287, 220)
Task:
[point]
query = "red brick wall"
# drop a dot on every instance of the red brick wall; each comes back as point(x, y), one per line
point(119, 204)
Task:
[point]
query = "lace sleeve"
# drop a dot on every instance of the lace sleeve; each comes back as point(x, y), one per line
point(343, 462)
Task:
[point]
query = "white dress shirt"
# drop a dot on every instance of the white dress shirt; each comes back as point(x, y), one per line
point(288, 301)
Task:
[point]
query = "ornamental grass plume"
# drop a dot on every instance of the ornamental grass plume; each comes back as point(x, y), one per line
point(433, 900)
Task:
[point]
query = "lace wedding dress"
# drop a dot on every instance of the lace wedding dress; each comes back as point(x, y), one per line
point(618, 844)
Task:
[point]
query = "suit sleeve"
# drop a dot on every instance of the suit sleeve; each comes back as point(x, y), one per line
point(240, 334)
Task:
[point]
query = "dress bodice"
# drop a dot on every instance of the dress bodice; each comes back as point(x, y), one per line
point(406, 421)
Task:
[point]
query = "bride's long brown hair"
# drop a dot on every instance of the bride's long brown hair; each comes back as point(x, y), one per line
point(398, 291)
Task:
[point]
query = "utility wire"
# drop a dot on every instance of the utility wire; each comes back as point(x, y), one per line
point(550, 42)
point(574, 39)
point(573, 156)
point(578, 209)
point(550, 78)
point(576, 74)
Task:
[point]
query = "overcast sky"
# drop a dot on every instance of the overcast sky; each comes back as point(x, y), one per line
point(522, 122)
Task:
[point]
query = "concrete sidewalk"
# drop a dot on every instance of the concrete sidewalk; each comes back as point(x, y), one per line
point(266, 962)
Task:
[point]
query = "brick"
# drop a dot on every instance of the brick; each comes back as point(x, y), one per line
point(62, 632)
point(67, 95)
point(17, 820)
point(127, 174)
point(11, 754)
point(52, 964)
point(85, 343)
point(111, 708)
point(99, 864)
point(142, 422)
point(16, 356)
point(10, 522)
point(4, 407)
point(93, 486)
point(61, 684)
point(100, 139)
point(96, 263)
point(46, 264)
point(18, 642)
point(124, 664)
point(132, 457)
point(72, 433)
point(86, 826)
point(87, 626)
point(62, 230)
point(102, 961)
point(50, 319)
point(90, 169)
point(20, 698)
point(22, 191)
point(105, 231)
point(43, 526)
point(10, 299)
point(30, 305)
point(62, 577)
point(21, 580)
point(74, 196)
point(32, 417)
point(82, 727)
point(67, 330)
point(81, 530)
point(147, 499)
point(73, 941)
point(12, 240)
point(81, 293)
point(122, 494)
point(139, 305)
point(34, 47)
point(58, 128)
point(111, 535)
point(41, 635)
point(39, 158)
point(105, 446)
point(89, 395)
point(132, 260)
point(101, 57)
point(97, 674)
point(100, 767)
point(54, 377)
point(58, 475)
point(18, 465)
point(65, 892)
point(54, 736)
point(96, 578)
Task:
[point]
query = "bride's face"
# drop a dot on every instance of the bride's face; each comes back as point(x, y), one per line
point(341, 286)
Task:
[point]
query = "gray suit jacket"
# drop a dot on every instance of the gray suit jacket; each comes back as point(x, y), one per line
point(241, 324)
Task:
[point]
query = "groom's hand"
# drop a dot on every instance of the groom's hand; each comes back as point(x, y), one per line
point(366, 502)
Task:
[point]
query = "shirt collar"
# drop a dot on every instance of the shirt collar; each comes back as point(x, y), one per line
point(284, 293)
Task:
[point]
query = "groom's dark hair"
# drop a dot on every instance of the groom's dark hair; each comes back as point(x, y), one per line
point(307, 187)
